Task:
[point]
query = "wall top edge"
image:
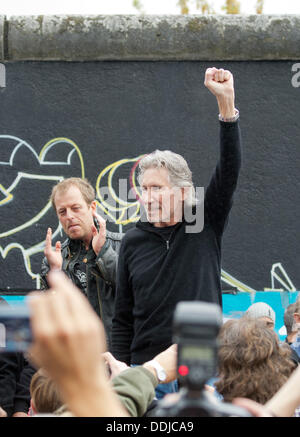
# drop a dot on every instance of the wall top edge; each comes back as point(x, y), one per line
point(149, 37)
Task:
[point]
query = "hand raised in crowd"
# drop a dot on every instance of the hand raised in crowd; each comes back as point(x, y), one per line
point(54, 257)
point(220, 83)
point(99, 237)
point(68, 342)
point(115, 366)
point(167, 359)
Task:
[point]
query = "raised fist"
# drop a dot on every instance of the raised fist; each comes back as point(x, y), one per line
point(219, 82)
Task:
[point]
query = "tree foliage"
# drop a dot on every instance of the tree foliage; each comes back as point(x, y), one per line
point(202, 5)
point(259, 6)
point(232, 7)
point(206, 6)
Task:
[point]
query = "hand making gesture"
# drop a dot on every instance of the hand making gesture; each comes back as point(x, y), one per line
point(54, 257)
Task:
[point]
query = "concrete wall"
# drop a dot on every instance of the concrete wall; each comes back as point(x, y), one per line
point(83, 93)
point(192, 38)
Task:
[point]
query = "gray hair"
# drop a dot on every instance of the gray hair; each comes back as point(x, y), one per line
point(179, 173)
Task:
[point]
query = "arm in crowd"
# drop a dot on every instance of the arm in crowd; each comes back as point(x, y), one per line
point(68, 343)
point(135, 386)
point(287, 399)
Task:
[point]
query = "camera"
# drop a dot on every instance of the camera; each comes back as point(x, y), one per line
point(196, 326)
point(15, 329)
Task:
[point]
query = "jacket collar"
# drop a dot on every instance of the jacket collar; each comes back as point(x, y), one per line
point(145, 225)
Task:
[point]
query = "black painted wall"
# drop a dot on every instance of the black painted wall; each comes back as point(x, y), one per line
point(108, 111)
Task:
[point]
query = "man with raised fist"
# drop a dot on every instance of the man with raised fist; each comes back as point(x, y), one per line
point(162, 261)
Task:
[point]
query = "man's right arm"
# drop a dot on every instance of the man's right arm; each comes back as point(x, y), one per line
point(122, 325)
point(52, 260)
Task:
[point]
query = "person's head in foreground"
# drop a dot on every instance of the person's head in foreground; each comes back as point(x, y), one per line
point(252, 363)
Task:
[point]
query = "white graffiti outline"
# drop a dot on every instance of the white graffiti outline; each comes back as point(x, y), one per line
point(41, 158)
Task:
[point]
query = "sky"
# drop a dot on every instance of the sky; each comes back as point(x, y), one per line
point(88, 7)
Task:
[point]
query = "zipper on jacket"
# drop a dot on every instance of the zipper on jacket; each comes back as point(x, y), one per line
point(168, 241)
point(160, 236)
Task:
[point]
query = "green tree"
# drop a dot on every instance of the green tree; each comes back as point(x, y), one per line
point(205, 6)
point(232, 7)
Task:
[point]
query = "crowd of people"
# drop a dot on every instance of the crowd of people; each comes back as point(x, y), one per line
point(102, 321)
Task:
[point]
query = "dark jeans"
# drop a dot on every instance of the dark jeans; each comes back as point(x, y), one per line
point(163, 389)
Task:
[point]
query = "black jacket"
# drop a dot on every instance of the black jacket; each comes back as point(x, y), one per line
point(15, 377)
point(158, 267)
point(100, 275)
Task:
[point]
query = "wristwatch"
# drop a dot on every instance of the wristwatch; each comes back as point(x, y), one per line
point(160, 371)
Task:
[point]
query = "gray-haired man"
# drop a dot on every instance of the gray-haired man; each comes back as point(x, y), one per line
point(160, 262)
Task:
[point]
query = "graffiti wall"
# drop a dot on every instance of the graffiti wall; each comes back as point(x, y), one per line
point(96, 119)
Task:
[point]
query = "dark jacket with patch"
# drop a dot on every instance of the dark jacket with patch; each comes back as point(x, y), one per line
point(99, 282)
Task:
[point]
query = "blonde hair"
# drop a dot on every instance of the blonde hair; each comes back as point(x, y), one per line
point(86, 189)
point(44, 393)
